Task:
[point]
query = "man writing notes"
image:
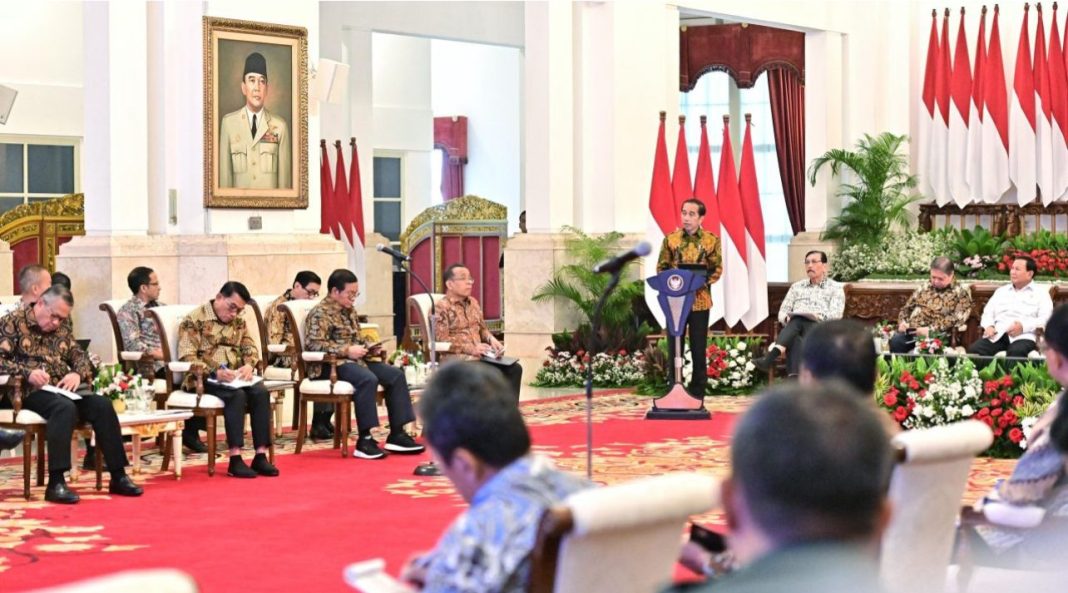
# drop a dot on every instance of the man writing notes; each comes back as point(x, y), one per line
point(690, 247)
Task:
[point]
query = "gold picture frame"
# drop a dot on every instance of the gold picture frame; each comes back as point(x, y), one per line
point(242, 168)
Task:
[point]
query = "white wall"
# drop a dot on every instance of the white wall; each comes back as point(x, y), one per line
point(42, 47)
point(482, 83)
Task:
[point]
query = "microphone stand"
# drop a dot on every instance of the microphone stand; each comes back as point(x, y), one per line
point(595, 325)
point(428, 468)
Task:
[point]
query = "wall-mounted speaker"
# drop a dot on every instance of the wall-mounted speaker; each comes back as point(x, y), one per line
point(7, 100)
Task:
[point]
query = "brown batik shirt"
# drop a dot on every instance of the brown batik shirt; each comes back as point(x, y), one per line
point(461, 323)
point(216, 342)
point(24, 347)
point(278, 329)
point(939, 309)
point(700, 248)
point(330, 328)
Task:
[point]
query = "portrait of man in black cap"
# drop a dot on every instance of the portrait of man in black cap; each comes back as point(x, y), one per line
point(255, 148)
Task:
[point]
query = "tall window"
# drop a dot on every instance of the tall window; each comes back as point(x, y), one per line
point(716, 95)
point(34, 169)
point(388, 196)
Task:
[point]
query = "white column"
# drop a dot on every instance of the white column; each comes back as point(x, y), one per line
point(825, 111)
point(549, 118)
point(114, 157)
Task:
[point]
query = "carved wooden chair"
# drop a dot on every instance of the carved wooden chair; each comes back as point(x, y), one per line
point(309, 389)
point(421, 304)
point(273, 380)
point(18, 418)
point(168, 319)
point(623, 538)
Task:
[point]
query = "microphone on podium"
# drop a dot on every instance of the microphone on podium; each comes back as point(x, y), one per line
point(393, 252)
point(614, 264)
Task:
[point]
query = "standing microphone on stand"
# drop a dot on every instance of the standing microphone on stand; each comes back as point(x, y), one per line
point(402, 257)
point(614, 264)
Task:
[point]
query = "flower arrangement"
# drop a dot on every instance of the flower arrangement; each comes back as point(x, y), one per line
point(921, 393)
point(934, 343)
point(730, 364)
point(907, 253)
point(615, 368)
point(114, 383)
point(403, 358)
point(884, 330)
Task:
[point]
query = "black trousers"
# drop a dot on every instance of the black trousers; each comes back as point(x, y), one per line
point(792, 337)
point(365, 381)
point(985, 347)
point(62, 414)
point(513, 373)
point(253, 399)
point(901, 343)
point(697, 329)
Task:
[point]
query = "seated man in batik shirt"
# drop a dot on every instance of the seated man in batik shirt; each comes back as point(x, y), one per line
point(941, 305)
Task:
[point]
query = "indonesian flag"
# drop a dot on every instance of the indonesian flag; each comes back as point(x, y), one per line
point(1022, 121)
point(1043, 119)
point(663, 217)
point(341, 195)
point(938, 167)
point(326, 193)
point(754, 234)
point(735, 271)
point(354, 220)
point(704, 189)
point(1058, 90)
point(973, 170)
point(960, 109)
point(927, 114)
point(995, 157)
point(680, 177)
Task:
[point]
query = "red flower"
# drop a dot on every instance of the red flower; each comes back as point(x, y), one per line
point(1001, 267)
point(1003, 394)
point(1010, 416)
point(1016, 435)
point(1003, 421)
point(890, 400)
point(995, 402)
point(989, 421)
point(927, 378)
point(1006, 381)
point(1018, 401)
point(900, 414)
point(914, 385)
point(622, 352)
point(998, 431)
point(983, 413)
point(996, 412)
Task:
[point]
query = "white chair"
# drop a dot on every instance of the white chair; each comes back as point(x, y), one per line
point(624, 538)
point(18, 418)
point(128, 358)
point(156, 580)
point(333, 391)
point(421, 303)
point(925, 493)
point(168, 319)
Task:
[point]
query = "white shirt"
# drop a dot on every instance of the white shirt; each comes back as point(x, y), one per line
point(1031, 306)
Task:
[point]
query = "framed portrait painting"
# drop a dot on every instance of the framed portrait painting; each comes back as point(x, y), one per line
point(255, 115)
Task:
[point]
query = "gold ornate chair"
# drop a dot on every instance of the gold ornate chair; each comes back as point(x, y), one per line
point(35, 231)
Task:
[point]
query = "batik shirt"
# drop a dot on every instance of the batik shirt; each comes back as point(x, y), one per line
point(278, 329)
point(940, 309)
point(330, 328)
point(487, 548)
point(680, 248)
point(24, 347)
point(139, 332)
point(218, 343)
point(825, 300)
point(461, 324)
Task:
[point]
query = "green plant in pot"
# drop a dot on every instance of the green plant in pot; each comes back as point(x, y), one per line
point(876, 188)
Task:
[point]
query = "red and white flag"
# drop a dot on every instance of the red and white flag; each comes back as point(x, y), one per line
point(326, 193)
point(341, 195)
point(995, 157)
point(663, 217)
point(1043, 118)
point(353, 218)
point(704, 189)
point(756, 260)
point(1058, 90)
point(937, 155)
point(960, 88)
point(680, 177)
point(1022, 120)
point(927, 113)
point(735, 271)
point(973, 170)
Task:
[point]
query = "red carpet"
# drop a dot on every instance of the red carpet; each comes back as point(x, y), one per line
point(298, 531)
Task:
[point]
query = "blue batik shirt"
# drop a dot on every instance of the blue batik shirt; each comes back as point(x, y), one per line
point(487, 548)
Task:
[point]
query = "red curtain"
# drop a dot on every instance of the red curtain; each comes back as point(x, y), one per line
point(788, 118)
point(450, 135)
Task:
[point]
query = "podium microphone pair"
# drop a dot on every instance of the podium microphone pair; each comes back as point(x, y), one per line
point(393, 252)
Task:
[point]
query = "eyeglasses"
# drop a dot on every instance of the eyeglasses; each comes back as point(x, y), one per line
point(813, 261)
point(352, 295)
point(234, 308)
point(312, 293)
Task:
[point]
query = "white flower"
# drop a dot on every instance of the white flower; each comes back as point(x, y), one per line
point(967, 411)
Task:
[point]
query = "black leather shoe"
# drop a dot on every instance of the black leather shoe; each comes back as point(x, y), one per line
point(124, 486)
point(261, 466)
point(768, 360)
point(194, 444)
point(321, 432)
point(60, 494)
point(238, 469)
point(9, 439)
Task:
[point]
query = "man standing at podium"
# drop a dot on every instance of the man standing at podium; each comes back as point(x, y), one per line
point(690, 247)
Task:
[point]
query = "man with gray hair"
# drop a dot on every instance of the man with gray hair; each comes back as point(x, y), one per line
point(937, 306)
point(34, 279)
point(36, 345)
